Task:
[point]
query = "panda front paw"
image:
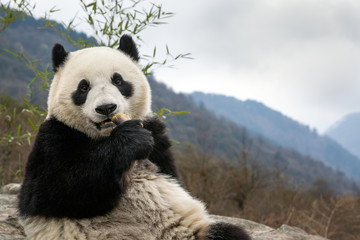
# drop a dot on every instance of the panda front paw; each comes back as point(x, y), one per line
point(136, 140)
point(161, 155)
point(155, 125)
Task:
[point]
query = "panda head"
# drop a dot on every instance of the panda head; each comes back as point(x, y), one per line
point(93, 84)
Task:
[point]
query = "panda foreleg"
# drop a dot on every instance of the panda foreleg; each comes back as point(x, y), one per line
point(222, 231)
point(161, 154)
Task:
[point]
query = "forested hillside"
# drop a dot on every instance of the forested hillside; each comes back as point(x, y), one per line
point(282, 130)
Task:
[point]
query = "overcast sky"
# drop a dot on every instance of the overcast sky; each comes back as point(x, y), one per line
point(300, 57)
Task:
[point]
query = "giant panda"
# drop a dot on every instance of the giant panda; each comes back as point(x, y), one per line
point(88, 178)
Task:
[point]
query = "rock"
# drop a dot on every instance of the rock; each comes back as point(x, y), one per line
point(11, 230)
point(11, 188)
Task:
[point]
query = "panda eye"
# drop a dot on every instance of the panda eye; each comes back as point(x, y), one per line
point(84, 86)
point(117, 80)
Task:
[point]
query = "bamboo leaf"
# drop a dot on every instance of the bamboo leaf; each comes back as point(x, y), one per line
point(91, 21)
point(154, 52)
point(19, 130)
point(177, 113)
point(32, 124)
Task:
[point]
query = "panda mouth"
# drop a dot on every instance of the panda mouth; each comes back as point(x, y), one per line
point(105, 124)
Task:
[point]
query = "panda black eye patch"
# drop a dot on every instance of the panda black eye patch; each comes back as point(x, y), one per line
point(79, 96)
point(125, 88)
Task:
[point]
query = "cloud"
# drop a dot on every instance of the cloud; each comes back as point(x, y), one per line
point(299, 57)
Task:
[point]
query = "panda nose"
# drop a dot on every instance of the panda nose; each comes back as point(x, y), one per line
point(106, 109)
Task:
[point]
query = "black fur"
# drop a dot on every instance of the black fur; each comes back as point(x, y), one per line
point(71, 175)
point(125, 88)
point(59, 56)
point(80, 95)
point(226, 231)
point(128, 46)
point(161, 154)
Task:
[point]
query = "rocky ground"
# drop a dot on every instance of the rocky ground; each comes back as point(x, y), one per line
point(11, 230)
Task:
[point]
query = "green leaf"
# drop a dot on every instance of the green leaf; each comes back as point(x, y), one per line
point(91, 21)
point(32, 124)
point(91, 4)
point(19, 130)
point(154, 52)
point(174, 141)
point(12, 53)
point(177, 113)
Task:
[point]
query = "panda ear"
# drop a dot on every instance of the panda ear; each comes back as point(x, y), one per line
point(128, 46)
point(58, 56)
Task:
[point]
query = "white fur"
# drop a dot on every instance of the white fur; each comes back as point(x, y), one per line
point(97, 65)
point(154, 208)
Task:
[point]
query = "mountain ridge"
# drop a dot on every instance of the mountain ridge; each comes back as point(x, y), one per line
point(281, 129)
point(347, 132)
